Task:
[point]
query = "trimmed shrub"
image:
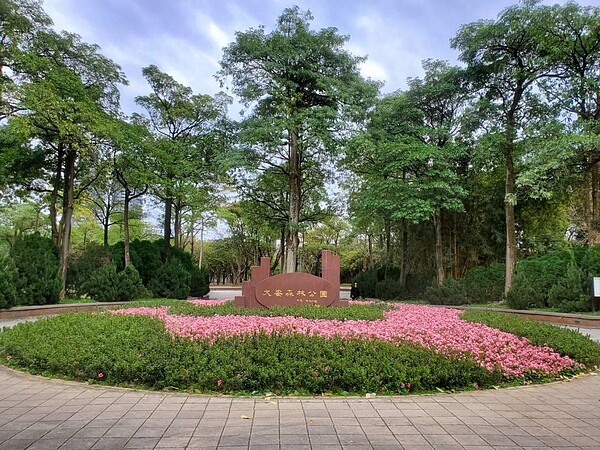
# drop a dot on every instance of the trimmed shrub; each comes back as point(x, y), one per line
point(389, 290)
point(102, 285)
point(534, 277)
point(485, 284)
point(567, 294)
point(145, 256)
point(36, 260)
point(83, 266)
point(199, 283)
point(590, 263)
point(367, 283)
point(172, 280)
point(8, 291)
point(106, 285)
point(451, 292)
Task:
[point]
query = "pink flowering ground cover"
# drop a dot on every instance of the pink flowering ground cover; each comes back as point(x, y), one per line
point(438, 329)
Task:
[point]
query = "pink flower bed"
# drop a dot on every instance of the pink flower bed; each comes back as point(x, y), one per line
point(438, 329)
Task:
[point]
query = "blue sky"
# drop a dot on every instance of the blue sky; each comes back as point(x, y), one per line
point(185, 37)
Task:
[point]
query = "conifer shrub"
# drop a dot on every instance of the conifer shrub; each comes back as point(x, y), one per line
point(8, 290)
point(36, 261)
point(567, 294)
point(451, 292)
point(172, 280)
point(534, 277)
point(102, 286)
point(108, 285)
point(199, 283)
point(82, 267)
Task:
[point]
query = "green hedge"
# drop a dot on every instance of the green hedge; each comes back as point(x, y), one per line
point(351, 312)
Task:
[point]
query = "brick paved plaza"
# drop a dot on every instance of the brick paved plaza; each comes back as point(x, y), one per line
point(37, 413)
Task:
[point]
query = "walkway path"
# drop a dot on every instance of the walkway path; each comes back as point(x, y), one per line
point(37, 413)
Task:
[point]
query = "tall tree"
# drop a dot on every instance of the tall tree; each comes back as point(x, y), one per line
point(504, 59)
point(305, 90)
point(19, 23)
point(68, 98)
point(441, 97)
point(405, 162)
point(187, 141)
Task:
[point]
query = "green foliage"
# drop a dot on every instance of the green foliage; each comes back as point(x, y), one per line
point(351, 312)
point(82, 267)
point(146, 256)
point(481, 285)
point(389, 289)
point(590, 262)
point(172, 280)
point(199, 283)
point(367, 282)
point(485, 284)
point(135, 350)
point(106, 285)
point(567, 295)
point(566, 342)
point(451, 292)
point(534, 277)
point(36, 261)
point(8, 276)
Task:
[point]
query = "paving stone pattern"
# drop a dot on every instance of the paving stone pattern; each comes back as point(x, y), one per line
point(37, 413)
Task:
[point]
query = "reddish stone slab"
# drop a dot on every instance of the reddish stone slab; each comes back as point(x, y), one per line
point(293, 289)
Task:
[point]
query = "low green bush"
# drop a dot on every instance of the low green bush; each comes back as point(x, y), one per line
point(451, 292)
point(83, 265)
point(171, 280)
point(565, 341)
point(351, 312)
point(567, 294)
point(535, 276)
point(36, 261)
point(136, 351)
point(106, 285)
point(8, 291)
point(199, 283)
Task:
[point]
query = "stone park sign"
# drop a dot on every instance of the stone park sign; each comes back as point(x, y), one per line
point(293, 289)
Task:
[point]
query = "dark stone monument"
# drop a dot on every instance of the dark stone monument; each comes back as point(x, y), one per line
point(289, 289)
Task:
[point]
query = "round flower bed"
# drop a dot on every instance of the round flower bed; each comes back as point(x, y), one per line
point(213, 346)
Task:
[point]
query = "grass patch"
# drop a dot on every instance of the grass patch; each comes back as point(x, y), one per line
point(351, 312)
point(136, 351)
point(71, 301)
point(566, 342)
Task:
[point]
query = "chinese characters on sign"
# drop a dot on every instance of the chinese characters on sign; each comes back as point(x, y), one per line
point(301, 296)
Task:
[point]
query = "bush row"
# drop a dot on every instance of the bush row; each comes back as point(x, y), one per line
point(557, 280)
point(136, 351)
point(29, 274)
point(350, 312)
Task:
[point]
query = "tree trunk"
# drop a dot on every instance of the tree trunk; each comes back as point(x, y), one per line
point(439, 248)
point(594, 229)
point(177, 222)
point(126, 227)
point(67, 215)
point(167, 227)
point(54, 195)
point(509, 211)
point(404, 253)
point(201, 244)
point(105, 225)
point(293, 241)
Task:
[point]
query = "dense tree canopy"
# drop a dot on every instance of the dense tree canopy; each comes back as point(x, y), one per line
point(482, 164)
